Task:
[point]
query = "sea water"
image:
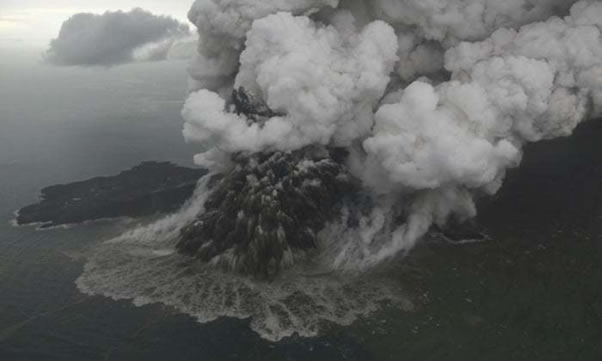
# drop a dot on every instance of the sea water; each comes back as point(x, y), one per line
point(533, 292)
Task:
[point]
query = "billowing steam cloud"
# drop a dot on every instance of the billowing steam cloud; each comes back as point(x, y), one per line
point(118, 37)
point(328, 84)
point(434, 100)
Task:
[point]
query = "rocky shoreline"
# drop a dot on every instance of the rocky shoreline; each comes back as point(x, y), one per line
point(146, 189)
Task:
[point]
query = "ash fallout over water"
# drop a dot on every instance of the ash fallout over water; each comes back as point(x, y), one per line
point(337, 134)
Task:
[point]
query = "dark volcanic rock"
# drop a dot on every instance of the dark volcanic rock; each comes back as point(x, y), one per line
point(255, 109)
point(149, 188)
point(266, 208)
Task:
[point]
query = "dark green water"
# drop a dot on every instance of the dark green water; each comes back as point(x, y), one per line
point(532, 293)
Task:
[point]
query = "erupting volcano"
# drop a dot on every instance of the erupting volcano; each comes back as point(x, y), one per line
point(426, 105)
point(337, 133)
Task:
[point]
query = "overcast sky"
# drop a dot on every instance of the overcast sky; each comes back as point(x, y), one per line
point(36, 22)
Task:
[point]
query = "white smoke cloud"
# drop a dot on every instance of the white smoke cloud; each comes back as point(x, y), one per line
point(427, 28)
point(434, 99)
point(422, 145)
point(514, 87)
point(223, 25)
point(327, 80)
point(451, 21)
point(116, 38)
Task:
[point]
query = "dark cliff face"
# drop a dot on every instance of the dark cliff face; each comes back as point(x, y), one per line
point(149, 188)
point(266, 208)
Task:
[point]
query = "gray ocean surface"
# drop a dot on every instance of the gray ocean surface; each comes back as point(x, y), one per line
point(534, 292)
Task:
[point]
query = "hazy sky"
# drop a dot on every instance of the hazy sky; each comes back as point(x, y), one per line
point(36, 22)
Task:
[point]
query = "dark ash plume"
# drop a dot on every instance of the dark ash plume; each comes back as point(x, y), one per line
point(268, 206)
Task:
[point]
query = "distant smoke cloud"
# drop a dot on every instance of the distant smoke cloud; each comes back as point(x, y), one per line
point(116, 38)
